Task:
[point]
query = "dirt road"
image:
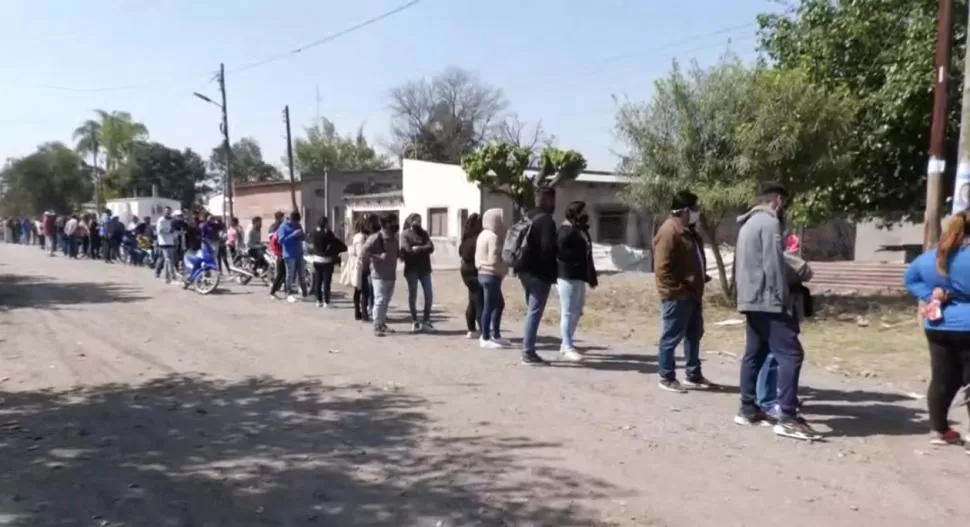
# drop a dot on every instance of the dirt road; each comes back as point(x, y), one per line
point(127, 402)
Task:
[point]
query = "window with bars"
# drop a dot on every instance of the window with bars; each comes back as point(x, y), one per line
point(438, 222)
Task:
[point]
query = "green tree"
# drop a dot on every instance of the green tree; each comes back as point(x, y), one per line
point(444, 118)
point(247, 162)
point(324, 149)
point(720, 132)
point(52, 178)
point(502, 168)
point(179, 175)
point(880, 51)
point(114, 133)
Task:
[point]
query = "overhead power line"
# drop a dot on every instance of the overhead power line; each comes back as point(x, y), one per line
point(251, 65)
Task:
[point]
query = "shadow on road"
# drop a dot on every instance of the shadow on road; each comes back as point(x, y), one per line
point(20, 291)
point(193, 451)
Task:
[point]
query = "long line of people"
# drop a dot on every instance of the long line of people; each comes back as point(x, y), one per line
point(770, 285)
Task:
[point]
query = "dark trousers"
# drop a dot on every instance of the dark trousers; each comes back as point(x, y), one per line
point(280, 276)
point(362, 297)
point(775, 333)
point(223, 258)
point(473, 310)
point(322, 280)
point(949, 371)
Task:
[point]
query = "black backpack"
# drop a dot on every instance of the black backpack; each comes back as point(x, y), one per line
point(516, 243)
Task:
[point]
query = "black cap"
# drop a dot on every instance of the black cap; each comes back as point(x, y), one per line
point(684, 199)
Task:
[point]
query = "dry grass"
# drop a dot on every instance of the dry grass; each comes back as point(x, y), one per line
point(872, 336)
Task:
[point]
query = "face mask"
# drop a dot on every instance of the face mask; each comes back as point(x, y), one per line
point(695, 216)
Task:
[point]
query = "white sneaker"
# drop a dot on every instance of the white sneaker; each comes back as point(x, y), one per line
point(291, 299)
point(471, 335)
point(571, 355)
point(326, 305)
point(489, 344)
point(319, 304)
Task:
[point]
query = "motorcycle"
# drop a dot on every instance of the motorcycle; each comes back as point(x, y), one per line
point(244, 268)
point(202, 270)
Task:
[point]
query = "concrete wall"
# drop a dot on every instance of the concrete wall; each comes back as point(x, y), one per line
point(897, 244)
point(263, 200)
point(341, 185)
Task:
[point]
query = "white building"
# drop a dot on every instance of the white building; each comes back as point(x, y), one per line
point(129, 208)
point(444, 198)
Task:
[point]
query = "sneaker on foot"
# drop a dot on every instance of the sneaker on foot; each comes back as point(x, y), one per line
point(796, 428)
point(671, 385)
point(753, 417)
point(319, 304)
point(326, 305)
point(533, 359)
point(571, 355)
point(291, 299)
point(415, 327)
point(471, 335)
point(950, 437)
point(505, 343)
point(489, 344)
point(427, 326)
point(698, 383)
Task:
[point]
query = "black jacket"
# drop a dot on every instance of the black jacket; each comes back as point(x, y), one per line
point(575, 256)
point(540, 256)
point(324, 243)
point(416, 249)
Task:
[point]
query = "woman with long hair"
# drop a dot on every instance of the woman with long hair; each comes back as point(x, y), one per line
point(576, 271)
point(355, 273)
point(940, 279)
point(326, 249)
point(469, 273)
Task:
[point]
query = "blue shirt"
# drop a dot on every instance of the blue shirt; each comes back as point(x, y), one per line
point(291, 240)
point(922, 277)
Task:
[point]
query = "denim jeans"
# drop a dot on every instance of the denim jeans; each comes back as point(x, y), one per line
point(767, 387)
point(493, 303)
point(166, 263)
point(572, 299)
point(295, 268)
point(536, 296)
point(383, 291)
point(775, 334)
point(681, 321)
point(413, 279)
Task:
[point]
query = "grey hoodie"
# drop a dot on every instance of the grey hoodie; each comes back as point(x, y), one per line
point(382, 243)
point(759, 262)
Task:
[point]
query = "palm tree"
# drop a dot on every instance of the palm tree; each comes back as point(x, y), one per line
point(87, 139)
point(113, 133)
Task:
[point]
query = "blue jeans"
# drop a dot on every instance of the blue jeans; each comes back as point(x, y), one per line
point(681, 321)
point(772, 334)
point(493, 304)
point(572, 299)
point(295, 269)
point(383, 291)
point(767, 387)
point(425, 280)
point(536, 296)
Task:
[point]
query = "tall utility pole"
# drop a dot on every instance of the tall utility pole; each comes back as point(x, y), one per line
point(228, 183)
point(961, 189)
point(289, 156)
point(937, 163)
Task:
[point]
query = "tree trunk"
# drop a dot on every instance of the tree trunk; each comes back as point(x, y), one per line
point(727, 286)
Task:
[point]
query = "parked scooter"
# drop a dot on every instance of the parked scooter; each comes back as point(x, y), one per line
point(245, 267)
point(201, 270)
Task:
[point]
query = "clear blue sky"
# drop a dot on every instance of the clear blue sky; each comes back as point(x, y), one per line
point(558, 61)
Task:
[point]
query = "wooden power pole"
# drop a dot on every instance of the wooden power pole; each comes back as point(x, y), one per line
point(937, 162)
point(289, 157)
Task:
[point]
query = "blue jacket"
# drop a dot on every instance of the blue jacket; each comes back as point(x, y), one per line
point(922, 277)
point(291, 240)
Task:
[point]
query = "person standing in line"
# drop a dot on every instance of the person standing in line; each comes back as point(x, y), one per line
point(166, 245)
point(276, 251)
point(50, 232)
point(764, 298)
point(234, 236)
point(416, 250)
point(253, 244)
point(491, 271)
point(39, 228)
point(94, 231)
point(327, 249)
point(469, 274)
point(84, 236)
point(940, 280)
point(680, 276)
point(355, 273)
point(576, 270)
point(538, 270)
point(382, 249)
point(70, 235)
point(291, 237)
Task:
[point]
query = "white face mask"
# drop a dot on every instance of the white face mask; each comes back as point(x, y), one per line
point(694, 217)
